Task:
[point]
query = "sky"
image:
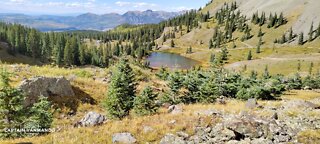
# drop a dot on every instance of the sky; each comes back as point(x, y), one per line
point(73, 7)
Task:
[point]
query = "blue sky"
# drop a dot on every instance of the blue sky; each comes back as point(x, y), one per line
point(67, 7)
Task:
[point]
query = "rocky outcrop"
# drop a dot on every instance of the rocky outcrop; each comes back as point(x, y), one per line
point(172, 139)
point(91, 119)
point(123, 138)
point(45, 86)
point(247, 127)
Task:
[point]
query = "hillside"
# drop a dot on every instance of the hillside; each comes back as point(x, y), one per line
point(301, 12)
point(256, 79)
point(300, 16)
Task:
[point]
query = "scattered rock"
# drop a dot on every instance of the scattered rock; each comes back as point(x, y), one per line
point(307, 88)
point(72, 77)
point(172, 122)
point(124, 138)
point(261, 141)
point(221, 100)
point(172, 139)
point(147, 129)
point(91, 119)
point(45, 86)
point(175, 109)
point(210, 112)
point(182, 134)
point(251, 103)
point(275, 116)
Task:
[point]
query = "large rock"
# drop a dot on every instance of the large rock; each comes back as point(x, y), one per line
point(123, 138)
point(92, 119)
point(45, 86)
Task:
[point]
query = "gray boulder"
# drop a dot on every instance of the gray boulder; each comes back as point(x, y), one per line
point(251, 103)
point(45, 86)
point(175, 109)
point(124, 138)
point(91, 119)
point(209, 112)
point(172, 139)
point(300, 104)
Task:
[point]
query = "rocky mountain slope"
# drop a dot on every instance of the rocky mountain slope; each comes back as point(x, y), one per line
point(88, 21)
point(302, 12)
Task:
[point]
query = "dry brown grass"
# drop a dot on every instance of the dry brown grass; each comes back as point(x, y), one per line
point(87, 89)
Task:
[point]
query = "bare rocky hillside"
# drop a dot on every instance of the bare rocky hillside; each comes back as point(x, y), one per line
point(302, 12)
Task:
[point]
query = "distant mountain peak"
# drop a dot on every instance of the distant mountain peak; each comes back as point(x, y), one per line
point(88, 21)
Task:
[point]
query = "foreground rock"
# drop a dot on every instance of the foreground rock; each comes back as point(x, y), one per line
point(91, 119)
point(45, 86)
point(123, 138)
point(172, 139)
point(248, 128)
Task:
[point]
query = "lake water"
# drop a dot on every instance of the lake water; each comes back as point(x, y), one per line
point(173, 61)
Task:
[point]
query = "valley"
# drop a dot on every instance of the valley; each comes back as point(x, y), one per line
point(233, 71)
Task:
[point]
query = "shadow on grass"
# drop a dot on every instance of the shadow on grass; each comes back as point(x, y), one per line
point(72, 103)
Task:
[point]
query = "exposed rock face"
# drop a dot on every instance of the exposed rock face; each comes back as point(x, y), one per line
point(91, 119)
point(124, 138)
point(250, 128)
point(45, 86)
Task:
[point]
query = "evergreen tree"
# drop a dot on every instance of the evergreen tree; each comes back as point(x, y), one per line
point(33, 44)
point(144, 104)
point(172, 44)
point(189, 50)
point(224, 54)
point(121, 91)
point(67, 58)
point(310, 68)
point(11, 106)
point(234, 44)
point(212, 58)
point(318, 31)
point(283, 39)
point(266, 74)
point(260, 34)
point(301, 41)
point(210, 44)
point(82, 56)
point(290, 34)
point(311, 33)
point(299, 66)
point(40, 115)
point(249, 55)
point(175, 83)
point(258, 50)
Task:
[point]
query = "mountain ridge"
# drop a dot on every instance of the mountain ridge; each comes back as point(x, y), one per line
point(87, 21)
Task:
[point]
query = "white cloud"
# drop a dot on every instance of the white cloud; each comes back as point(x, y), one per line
point(135, 4)
point(18, 1)
point(180, 8)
